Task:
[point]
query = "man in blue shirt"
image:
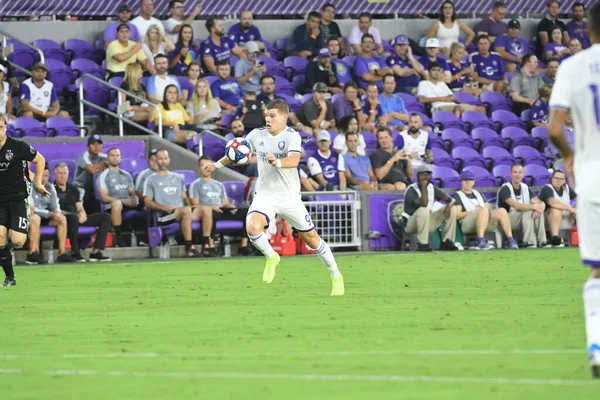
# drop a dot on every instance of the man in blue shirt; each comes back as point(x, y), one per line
point(217, 48)
point(245, 31)
point(406, 68)
point(307, 39)
point(322, 70)
point(488, 65)
point(357, 169)
point(511, 48)
point(393, 106)
point(367, 68)
point(432, 47)
point(226, 90)
point(577, 27)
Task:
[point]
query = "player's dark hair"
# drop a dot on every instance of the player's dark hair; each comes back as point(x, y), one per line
point(210, 23)
point(313, 14)
point(205, 158)
point(453, 16)
point(594, 19)
point(279, 105)
point(499, 4)
point(165, 103)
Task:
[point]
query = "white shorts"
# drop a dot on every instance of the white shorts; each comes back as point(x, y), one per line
point(291, 210)
point(588, 229)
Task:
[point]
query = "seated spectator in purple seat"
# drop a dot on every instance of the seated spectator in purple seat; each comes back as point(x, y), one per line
point(448, 28)
point(71, 204)
point(511, 47)
point(156, 43)
point(138, 110)
point(140, 180)
point(204, 110)
point(177, 123)
point(245, 31)
point(317, 113)
point(326, 166)
point(493, 26)
point(406, 68)
point(489, 66)
point(540, 111)
point(46, 211)
point(393, 106)
point(365, 27)
point(392, 167)
point(551, 151)
point(143, 21)
point(267, 94)
point(185, 52)
point(349, 124)
point(123, 17)
point(560, 214)
point(122, 52)
point(306, 39)
point(193, 74)
point(176, 22)
point(6, 103)
point(226, 90)
point(248, 71)
point(555, 47)
point(342, 71)
point(349, 104)
point(89, 164)
point(156, 84)
point(551, 69)
point(367, 68)
point(38, 97)
point(322, 70)
point(432, 47)
point(415, 142)
point(578, 27)
point(117, 192)
point(217, 48)
point(357, 168)
point(9, 74)
point(525, 84)
point(328, 27)
point(375, 117)
point(237, 128)
point(463, 75)
point(574, 48)
point(547, 24)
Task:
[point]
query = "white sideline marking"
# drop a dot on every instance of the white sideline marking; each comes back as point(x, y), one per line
point(314, 377)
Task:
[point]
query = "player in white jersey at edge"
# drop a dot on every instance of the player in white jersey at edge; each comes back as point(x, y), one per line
point(577, 90)
point(278, 149)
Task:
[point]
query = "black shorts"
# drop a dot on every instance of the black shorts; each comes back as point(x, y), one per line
point(165, 218)
point(125, 208)
point(14, 215)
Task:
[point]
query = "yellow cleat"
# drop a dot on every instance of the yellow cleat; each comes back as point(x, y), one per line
point(270, 267)
point(337, 285)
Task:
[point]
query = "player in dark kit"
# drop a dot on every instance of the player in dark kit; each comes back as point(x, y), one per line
point(15, 187)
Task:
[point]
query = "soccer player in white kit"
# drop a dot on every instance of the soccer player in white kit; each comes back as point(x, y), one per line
point(577, 90)
point(279, 149)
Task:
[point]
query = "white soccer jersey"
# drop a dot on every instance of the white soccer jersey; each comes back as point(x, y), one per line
point(272, 181)
point(577, 88)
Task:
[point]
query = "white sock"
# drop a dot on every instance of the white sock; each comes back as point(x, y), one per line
point(261, 242)
point(591, 304)
point(326, 256)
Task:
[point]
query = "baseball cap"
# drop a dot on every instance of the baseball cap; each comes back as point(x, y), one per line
point(324, 52)
point(123, 7)
point(252, 47)
point(152, 152)
point(432, 42)
point(319, 87)
point(123, 26)
point(425, 168)
point(401, 39)
point(95, 139)
point(39, 65)
point(323, 135)
point(513, 23)
point(467, 176)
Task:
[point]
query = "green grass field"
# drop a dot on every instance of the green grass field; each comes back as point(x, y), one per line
point(487, 325)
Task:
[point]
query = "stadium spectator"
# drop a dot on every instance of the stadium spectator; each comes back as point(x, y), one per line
point(415, 142)
point(204, 110)
point(140, 180)
point(46, 211)
point(337, 51)
point(392, 167)
point(357, 34)
point(476, 216)
point(175, 23)
point(349, 104)
point(367, 67)
point(226, 90)
point(193, 74)
point(463, 75)
point(156, 43)
point(326, 167)
point(392, 106)
point(145, 19)
point(340, 68)
point(6, 103)
point(248, 70)
point(356, 167)
point(511, 47)
point(432, 47)
point(547, 24)
point(122, 52)
point(185, 52)
point(558, 197)
point(525, 210)
point(421, 214)
point(406, 68)
point(137, 110)
point(551, 152)
point(306, 39)
point(329, 28)
point(493, 26)
point(447, 29)
point(71, 204)
point(251, 113)
point(123, 17)
point(551, 69)
point(176, 121)
point(316, 112)
point(164, 193)
point(372, 109)
point(117, 192)
point(156, 84)
point(488, 66)
point(349, 124)
point(267, 89)
point(89, 163)
point(555, 47)
point(237, 129)
point(539, 109)
point(9, 75)
point(525, 84)
point(245, 31)
point(322, 70)
point(38, 97)
point(578, 27)
point(574, 48)
point(217, 48)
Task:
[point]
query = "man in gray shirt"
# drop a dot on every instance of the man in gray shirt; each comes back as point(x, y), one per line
point(46, 211)
point(209, 200)
point(140, 180)
point(248, 71)
point(90, 163)
point(525, 84)
point(116, 190)
point(164, 193)
point(317, 113)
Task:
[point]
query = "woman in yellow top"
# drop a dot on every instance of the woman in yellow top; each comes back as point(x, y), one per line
point(122, 52)
point(175, 119)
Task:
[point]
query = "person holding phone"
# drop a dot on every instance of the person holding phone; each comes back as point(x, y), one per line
point(249, 70)
point(204, 109)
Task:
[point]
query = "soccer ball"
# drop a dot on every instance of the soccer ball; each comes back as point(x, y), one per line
point(238, 151)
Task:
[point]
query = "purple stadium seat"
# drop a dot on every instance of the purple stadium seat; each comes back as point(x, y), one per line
point(292, 102)
point(212, 146)
point(294, 65)
point(273, 67)
point(235, 191)
point(467, 98)
point(227, 119)
point(495, 101)
point(482, 176)
point(504, 119)
point(514, 137)
point(71, 165)
point(134, 165)
point(22, 56)
point(526, 115)
point(29, 127)
point(52, 50)
point(233, 60)
point(185, 84)
point(426, 120)
point(435, 141)
point(508, 76)
point(189, 176)
point(116, 81)
point(387, 47)
point(10, 131)
point(446, 177)
point(309, 143)
point(446, 119)
point(306, 97)
point(485, 137)
point(336, 96)
point(466, 156)
point(441, 158)
point(454, 138)
point(283, 86)
point(502, 174)
point(475, 119)
point(299, 81)
point(282, 43)
point(528, 155)
point(536, 175)
point(370, 141)
point(540, 137)
point(61, 126)
point(95, 93)
point(77, 48)
point(59, 74)
point(497, 156)
point(82, 66)
point(271, 49)
point(209, 78)
point(411, 102)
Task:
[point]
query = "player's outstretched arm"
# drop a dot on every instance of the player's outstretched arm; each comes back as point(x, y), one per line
point(291, 161)
point(210, 167)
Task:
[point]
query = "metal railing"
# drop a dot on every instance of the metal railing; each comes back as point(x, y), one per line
point(201, 138)
point(106, 111)
point(4, 45)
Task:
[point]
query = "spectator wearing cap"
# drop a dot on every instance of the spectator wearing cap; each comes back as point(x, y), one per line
point(393, 106)
point(447, 29)
point(493, 26)
point(476, 216)
point(38, 98)
point(560, 200)
point(548, 23)
point(173, 25)
point(248, 70)
point(391, 166)
point(306, 40)
point(432, 48)
point(322, 70)
point(525, 84)
point(511, 47)
point(406, 68)
point(245, 31)
point(415, 142)
point(123, 17)
point(367, 68)
point(142, 176)
point(365, 27)
point(316, 112)
point(90, 163)
point(578, 27)
point(540, 111)
point(145, 19)
point(488, 66)
point(356, 167)
point(122, 52)
point(326, 167)
point(6, 104)
point(9, 73)
point(422, 215)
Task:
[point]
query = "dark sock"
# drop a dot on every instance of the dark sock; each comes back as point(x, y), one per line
point(188, 244)
point(6, 262)
point(118, 232)
point(205, 241)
